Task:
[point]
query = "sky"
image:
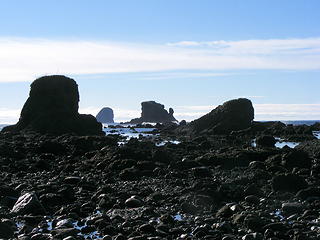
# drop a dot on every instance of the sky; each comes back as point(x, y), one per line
point(191, 55)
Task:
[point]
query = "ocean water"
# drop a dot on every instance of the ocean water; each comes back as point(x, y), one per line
point(302, 122)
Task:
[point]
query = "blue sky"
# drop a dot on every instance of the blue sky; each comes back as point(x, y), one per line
point(187, 54)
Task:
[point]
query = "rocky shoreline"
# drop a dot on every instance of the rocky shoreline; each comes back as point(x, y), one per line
point(78, 187)
point(202, 180)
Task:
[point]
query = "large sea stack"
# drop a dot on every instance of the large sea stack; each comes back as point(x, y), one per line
point(52, 107)
point(233, 115)
point(105, 115)
point(154, 112)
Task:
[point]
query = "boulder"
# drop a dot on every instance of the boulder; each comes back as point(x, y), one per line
point(288, 183)
point(266, 141)
point(233, 115)
point(105, 115)
point(28, 203)
point(52, 107)
point(154, 112)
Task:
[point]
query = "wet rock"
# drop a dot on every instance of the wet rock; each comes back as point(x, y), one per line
point(189, 208)
point(265, 141)
point(161, 155)
point(309, 193)
point(225, 212)
point(201, 172)
point(253, 236)
point(233, 115)
point(50, 146)
point(251, 199)
point(41, 236)
point(147, 228)
point(6, 230)
point(255, 223)
point(52, 107)
point(72, 180)
point(130, 174)
point(28, 203)
point(133, 202)
point(288, 183)
point(65, 232)
point(105, 115)
point(292, 208)
point(154, 112)
point(296, 158)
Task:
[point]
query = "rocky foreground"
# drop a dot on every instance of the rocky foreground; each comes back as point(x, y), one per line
point(78, 187)
point(57, 182)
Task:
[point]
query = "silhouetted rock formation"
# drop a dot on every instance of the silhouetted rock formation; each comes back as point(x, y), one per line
point(105, 115)
point(52, 107)
point(233, 115)
point(154, 112)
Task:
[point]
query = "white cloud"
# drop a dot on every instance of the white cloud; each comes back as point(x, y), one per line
point(258, 46)
point(26, 59)
point(9, 116)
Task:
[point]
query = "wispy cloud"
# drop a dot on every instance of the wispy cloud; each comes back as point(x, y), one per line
point(257, 47)
point(25, 59)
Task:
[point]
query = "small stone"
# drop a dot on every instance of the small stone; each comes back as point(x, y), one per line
point(28, 204)
point(253, 236)
point(292, 208)
point(201, 172)
point(133, 202)
point(251, 199)
point(72, 180)
point(147, 228)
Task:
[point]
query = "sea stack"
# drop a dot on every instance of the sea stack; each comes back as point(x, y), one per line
point(105, 115)
point(52, 107)
point(233, 115)
point(154, 112)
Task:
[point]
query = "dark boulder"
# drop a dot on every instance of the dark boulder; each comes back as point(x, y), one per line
point(296, 158)
point(233, 115)
point(154, 112)
point(52, 107)
point(288, 183)
point(105, 115)
point(28, 203)
point(265, 141)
